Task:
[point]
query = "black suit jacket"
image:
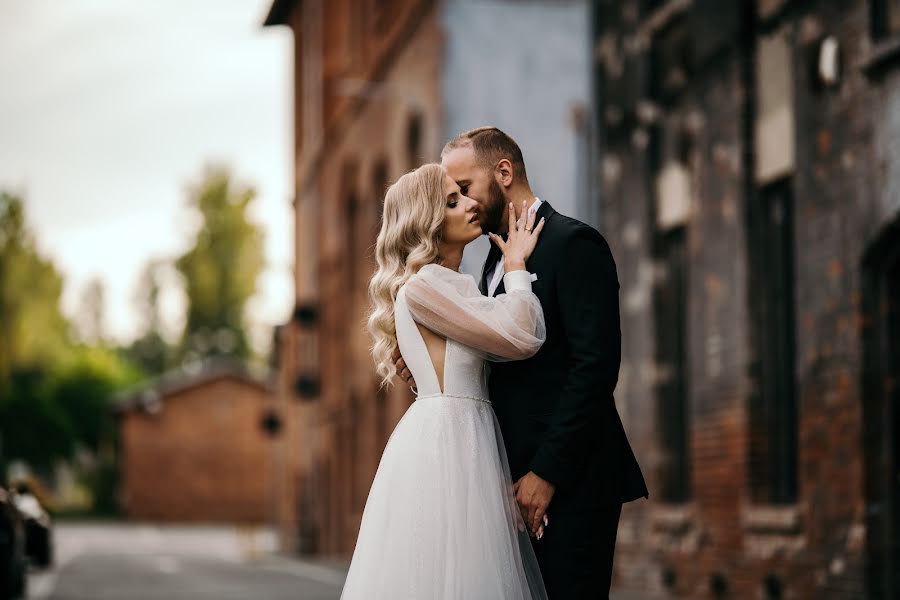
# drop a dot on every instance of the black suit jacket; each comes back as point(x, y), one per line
point(556, 410)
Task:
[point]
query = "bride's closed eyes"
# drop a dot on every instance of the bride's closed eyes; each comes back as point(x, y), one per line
point(461, 219)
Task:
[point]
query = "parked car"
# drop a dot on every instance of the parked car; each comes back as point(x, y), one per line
point(38, 526)
point(13, 562)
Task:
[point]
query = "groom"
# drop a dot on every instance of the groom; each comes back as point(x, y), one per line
point(567, 449)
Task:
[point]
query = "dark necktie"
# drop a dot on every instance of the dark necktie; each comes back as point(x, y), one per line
point(493, 256)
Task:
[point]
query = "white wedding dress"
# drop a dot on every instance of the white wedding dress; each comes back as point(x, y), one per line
point(441, 521)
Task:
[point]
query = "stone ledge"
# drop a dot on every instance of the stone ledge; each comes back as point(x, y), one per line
point(770, 519)
point(673, 528)
point(672, 518)
point(772, 532)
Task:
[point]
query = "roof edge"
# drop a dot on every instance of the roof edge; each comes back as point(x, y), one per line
point(191, 375)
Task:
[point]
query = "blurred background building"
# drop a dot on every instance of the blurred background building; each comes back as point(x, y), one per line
point(197, 446)
point(743, 160)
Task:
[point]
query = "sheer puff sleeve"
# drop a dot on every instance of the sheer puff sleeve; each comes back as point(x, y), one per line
point(507, 327)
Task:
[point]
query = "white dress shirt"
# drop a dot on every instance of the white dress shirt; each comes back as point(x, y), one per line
point(495, 274)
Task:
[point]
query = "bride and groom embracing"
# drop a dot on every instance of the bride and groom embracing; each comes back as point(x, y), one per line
point(514, 380)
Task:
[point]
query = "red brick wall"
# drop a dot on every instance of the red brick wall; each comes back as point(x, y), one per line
point(203, 457)
point(340, 434)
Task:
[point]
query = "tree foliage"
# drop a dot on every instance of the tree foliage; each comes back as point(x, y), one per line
point(33, 330)
point(90, 321)
point(221, 269)
point(150, 350)
point(54, 394)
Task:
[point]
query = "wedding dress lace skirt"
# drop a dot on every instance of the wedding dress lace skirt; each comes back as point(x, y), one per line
point(441, 521)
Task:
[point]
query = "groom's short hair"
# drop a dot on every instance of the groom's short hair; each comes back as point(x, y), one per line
point(491, 145)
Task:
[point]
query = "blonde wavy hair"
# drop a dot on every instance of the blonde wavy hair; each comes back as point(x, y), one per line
point(411, 225)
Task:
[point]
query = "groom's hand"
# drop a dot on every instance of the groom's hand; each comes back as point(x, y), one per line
point(533, 496)
point(402, 370)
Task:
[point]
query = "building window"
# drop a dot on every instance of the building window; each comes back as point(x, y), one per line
point(773, 405)
point(352, 243)
point(414, 140)
point(670, 317)
point(881, 410)
point(670, 155)
point(892, 302)
point(379, 187)
point(885, 18)
point(357, 32)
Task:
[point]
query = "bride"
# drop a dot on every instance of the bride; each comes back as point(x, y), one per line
point(441, 521)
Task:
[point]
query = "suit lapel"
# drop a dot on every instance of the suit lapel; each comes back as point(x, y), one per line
point(501, 289)
point(544, 211)
point(492, 256)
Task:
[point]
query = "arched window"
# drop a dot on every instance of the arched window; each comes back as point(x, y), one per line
point(414, 140)
point(379, 187)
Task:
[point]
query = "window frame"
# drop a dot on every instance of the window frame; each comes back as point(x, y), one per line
point(774, 406)
point(880, 17)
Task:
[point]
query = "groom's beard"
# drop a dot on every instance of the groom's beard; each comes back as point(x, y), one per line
point(493, 211)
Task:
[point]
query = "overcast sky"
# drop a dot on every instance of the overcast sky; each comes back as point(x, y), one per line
point(109, 109)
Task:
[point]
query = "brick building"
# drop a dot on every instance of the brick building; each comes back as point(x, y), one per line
point(379, 87)
point(366, 110)
point(750, 169)
point(193, 447)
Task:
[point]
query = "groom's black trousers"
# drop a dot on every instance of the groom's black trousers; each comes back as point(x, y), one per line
point(576, 554)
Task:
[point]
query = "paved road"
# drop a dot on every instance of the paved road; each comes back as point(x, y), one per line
point(144, 562)
point(124, 561)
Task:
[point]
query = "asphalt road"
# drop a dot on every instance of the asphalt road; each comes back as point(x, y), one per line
point(128, 561)
point(145, 562)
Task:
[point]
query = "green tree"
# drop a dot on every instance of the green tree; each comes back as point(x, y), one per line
point(150, 351)
point(92, 309)
point(83, 388)
point(42, 433)
point(33, 330)
point(55, 397)
point(34, 335)
point(57, 410)
point(221, 269)
point(147, 296)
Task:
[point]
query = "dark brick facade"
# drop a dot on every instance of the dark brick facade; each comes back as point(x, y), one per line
point(681, 83)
